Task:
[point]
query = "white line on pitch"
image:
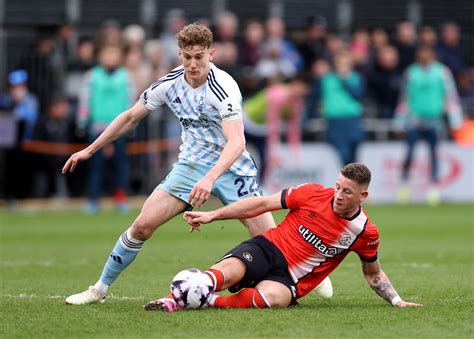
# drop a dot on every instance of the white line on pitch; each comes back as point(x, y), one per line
point(34, 296)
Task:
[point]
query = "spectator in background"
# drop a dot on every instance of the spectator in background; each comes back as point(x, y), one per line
point(274, 67)
point(21, 102)
point(276, 32)
point(110, 34)
point(405, 43)
point(107, 91)
point(319, 68)
point(83, 61)
point(155, 56)
point(251, 53)
point(226, 44)
point(65, 44)
point(334, 45)
point(341, 92)
point(58, 127)
point(227, 57)
point(174, 22)
point(448, 49)
point(263, 116)
point(384, 81)
point(427, 37)
point(360, 49)
point(251, 45)
point(23, 106)
point(313, 47)
point(134, 37)
point(428, 92)
point(43, 78)
point(379, 38)
point(139, 70)
point(227, 28)
point(466, 91)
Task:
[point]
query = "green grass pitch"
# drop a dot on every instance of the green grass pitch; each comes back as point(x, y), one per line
point(427, 253)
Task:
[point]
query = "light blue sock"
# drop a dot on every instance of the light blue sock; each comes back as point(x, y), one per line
point(124, 252)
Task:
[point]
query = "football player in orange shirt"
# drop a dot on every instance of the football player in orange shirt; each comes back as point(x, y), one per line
point(287, 262)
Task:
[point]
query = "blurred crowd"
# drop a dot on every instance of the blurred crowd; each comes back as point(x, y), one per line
point(69, 86)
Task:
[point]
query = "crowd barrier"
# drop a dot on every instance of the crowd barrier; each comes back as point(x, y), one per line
point(133, 148)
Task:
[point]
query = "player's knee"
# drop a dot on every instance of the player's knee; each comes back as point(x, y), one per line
point(142, 228)
point(275, 298)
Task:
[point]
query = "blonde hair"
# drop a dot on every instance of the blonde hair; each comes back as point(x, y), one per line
point(194, 34)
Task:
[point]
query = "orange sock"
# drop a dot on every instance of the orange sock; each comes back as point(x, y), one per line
point(217, 278)
point(246, 298)
point(169, 296)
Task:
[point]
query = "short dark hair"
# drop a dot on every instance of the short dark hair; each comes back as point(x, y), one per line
point(357, 172)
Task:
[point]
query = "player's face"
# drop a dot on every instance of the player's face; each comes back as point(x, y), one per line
point(196, 62)
point(348, 196)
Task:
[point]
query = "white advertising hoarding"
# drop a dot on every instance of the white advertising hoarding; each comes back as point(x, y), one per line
point(318, 162)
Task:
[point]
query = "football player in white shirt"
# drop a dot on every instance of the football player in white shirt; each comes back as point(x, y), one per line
point(212, 160)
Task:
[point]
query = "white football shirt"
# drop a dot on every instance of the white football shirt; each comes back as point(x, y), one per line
point(201, 112)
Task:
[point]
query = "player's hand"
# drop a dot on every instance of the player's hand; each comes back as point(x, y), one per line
point(196, 218)
point(74, 159)
point(201, 192)
point(403, 303)
point(193, 225)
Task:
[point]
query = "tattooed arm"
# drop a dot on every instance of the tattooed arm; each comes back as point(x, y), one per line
point(380, 283)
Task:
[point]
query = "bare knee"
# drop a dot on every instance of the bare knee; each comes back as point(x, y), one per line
point(275, 294)
point(276, 299)
point(142, 228)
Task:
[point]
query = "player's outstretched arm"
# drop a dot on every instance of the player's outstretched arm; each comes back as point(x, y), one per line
point(119, 126)
point(380, 283)
point(242, 209)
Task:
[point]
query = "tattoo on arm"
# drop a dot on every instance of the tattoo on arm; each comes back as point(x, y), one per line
point(383, 287)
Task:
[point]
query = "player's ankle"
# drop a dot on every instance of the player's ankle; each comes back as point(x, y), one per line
point(101, 287)
point(212, 299)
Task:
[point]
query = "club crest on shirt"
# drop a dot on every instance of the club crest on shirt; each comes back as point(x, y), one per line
point(345, 239)
point(247, 256)
point(201, 104)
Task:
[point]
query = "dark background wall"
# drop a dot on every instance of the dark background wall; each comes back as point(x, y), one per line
point(21, 20)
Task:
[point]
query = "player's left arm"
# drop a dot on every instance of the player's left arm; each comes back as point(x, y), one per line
point(228, 102)
point(234, 133)
point(380, 283)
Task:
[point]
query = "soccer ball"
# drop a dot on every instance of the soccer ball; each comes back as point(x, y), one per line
point(191, 288)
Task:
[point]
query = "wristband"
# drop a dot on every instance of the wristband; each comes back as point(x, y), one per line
point(396, 300)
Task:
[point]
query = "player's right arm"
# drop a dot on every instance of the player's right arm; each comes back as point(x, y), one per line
point(380, 283)
point(119, 126)
point(242, 209)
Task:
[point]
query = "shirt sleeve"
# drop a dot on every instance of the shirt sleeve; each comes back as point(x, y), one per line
point(154, 96)
point(294, 197)
point(367, 245)
point(228, 99)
